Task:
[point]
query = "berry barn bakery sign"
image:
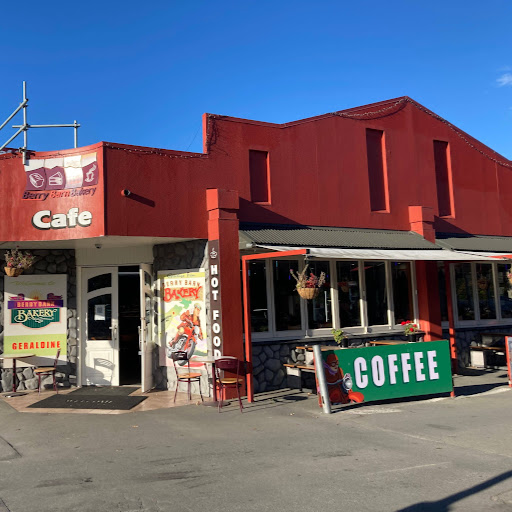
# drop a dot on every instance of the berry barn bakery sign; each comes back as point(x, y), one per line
point(35, 314)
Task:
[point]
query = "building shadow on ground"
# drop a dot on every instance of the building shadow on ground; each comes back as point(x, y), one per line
point(444, 504)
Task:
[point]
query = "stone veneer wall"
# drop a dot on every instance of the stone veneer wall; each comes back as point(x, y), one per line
point(179, 256)
point(269, 358)
point(54, 261)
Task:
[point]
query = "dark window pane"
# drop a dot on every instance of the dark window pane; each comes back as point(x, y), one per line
point(319, 309)
point(402, 291)
point(348, 293)
point(505, 290)
point(258, 171)
point(286, 298)
point(441, 279)
point(99, 317)
point(464, 291)
point(376, 169)
point(258, 294)
point(376, 295)
point(485, 291)
point(442, 178)
point(99, 282)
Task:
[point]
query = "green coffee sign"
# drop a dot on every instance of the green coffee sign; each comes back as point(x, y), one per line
point(35, 318)
point(389, 371)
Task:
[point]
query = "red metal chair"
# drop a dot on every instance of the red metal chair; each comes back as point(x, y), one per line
point(183, 374)
point(48, 370)
point(236, 369)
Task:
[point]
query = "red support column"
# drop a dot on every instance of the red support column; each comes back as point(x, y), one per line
point(224, 273)
point(428, 300)
point(451, 320)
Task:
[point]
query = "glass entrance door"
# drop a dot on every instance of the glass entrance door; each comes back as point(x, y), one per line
point(100, 324)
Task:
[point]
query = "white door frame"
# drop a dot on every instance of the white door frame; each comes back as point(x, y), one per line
point(146, 330)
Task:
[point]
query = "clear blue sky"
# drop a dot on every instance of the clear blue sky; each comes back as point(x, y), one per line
point(143, 72)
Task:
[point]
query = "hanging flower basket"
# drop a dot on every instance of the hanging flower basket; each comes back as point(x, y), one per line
point(308, 293)
point(13, 271)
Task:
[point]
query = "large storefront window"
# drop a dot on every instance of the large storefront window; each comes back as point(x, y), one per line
point(505, 290)
point(286, 298)
point(402, 291)
point(485, 290)
point(258, 293)
point(376, 292)
point(348, 293)
point(319, 309)
point(464, 291)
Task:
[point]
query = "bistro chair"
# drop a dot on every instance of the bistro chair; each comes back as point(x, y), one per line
point(48, 370)
point(183, 374)
point(235, 367)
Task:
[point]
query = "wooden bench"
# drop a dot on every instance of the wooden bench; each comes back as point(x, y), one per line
point(479, 355)
point(294, 373)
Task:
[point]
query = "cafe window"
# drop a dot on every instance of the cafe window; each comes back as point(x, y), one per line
point(464, 291)
point(319, 308)
point(349, 306)
point(376, 292)
point(505, 290)
point(286, 299)
point(377, 173)
point(402, 291)
point(485, 290)
point(259, 176)
point(258, 295)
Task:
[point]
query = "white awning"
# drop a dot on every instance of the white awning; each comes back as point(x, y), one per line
point(393, 254)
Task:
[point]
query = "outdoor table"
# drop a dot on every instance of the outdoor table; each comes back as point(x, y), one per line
point(388, 342)
point(211, 360)
point(14, 357)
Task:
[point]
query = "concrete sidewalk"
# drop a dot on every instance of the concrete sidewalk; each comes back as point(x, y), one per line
point(281, 453)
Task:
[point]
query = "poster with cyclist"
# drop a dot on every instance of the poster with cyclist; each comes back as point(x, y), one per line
point(182, 314)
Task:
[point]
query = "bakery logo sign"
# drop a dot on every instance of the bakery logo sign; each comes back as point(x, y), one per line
point(35, 313)
point(55, 178)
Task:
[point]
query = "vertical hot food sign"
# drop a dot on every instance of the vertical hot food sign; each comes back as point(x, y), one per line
point(215, 300)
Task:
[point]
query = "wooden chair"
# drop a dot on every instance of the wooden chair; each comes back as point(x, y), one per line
point(48, 370)
point(183, 374)
point(236, 368)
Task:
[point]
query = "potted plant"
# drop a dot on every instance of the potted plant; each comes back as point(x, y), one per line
point(340, 337)
point(410, 330)
point(16, 261)
point(308, 286)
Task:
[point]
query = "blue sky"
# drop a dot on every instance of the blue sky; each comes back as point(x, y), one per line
point(143, 73)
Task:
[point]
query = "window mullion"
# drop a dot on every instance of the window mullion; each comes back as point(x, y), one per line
point(476, 301)
point(389, 292)
point(335, 310)
point(362, 299)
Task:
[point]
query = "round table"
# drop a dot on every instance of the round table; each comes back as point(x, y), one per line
point(14, 357)
point(211, 360)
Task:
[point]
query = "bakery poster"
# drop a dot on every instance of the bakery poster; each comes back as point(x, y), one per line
point(35, 315)
point(182, 314)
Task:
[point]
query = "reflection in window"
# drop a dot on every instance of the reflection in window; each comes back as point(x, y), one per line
point(287, 300)
point(258, 296)
point(464, 291)
point(99, 282)
point(505, 290)
point(147, 279)
point(99, 317)
point(485, 286)
point(319, 309)
point(376, 295)
point(402, 291)
point(441, 279)
point(348, 293)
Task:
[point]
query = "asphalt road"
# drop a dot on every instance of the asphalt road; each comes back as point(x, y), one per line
point(281, 454)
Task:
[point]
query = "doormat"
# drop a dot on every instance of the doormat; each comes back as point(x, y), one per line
point(104, 391)
point(121, 403)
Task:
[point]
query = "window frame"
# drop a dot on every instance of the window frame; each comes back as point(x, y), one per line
point(362, 329)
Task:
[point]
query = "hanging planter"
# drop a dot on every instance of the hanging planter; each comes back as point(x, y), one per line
point(308, 293)
point(17, 261)
point(13, 271)
point(308, 287)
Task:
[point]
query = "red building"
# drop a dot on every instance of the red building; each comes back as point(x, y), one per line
point(407, 215)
